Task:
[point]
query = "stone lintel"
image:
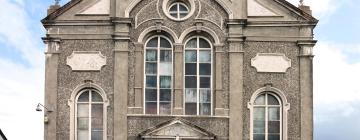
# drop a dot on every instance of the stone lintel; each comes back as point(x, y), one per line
point(306, 47)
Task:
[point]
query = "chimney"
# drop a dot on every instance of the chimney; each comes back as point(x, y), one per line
point(306, 9)
point(54, 7)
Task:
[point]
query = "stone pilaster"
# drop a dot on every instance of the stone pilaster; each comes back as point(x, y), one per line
point(139, 79)
point(178, 80)
point(236, 87)
point(219, 101)
point(306, 88)
point(51, 86)
point(121, 76)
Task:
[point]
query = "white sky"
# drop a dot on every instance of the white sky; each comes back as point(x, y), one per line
point(336, 71)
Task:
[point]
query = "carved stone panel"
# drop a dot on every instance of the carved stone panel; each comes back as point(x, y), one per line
point(271, 62)
point(86, 61)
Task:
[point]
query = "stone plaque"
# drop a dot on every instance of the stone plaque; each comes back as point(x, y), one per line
point(86, 61)
point(271, 62)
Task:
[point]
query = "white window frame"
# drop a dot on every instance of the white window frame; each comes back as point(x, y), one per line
point(72, 103)
point(158, 49)
point(178, 12)
point(197, 49)
point(284, 107)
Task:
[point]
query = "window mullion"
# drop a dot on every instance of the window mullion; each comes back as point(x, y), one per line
point(198, 77)
point(90, 99)
point(158, 77)
point(266, 118)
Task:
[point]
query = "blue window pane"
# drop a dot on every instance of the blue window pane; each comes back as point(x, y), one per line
point(259, 136)
point(274, 137)
point(190, 56)
point(151, 68)
point(205, 56)
point(190, 69)
point(192, 43)
point(151, 81)
point(151, 55)
point(260, 100)
point(165, 94)
point(153, 42)
point(205, 82)
point(150, 95)
point(96, 135)
point(190, 82)
point(205, 69)
point(165, 81)
point(259, 127)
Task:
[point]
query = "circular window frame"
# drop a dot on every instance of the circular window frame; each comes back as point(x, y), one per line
point(189, 4)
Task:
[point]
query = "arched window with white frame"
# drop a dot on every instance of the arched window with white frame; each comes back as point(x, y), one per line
point(89, 115)
point(158, 75)
point(198, 76)
point(268, 113)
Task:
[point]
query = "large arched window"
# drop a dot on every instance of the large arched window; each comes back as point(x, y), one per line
point(89, 117)
point(267, 117)
point(198, 76)
point(158, 75)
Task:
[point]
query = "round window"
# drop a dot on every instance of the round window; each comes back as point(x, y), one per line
point(178, 10)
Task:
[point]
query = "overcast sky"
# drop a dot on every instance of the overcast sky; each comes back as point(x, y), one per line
point(336, 68)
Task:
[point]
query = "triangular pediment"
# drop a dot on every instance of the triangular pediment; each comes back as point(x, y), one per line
point(177, 128)
point(99, 7)
point(257, 9)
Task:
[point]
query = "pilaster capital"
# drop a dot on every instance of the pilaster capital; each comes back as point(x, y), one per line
point(306, 47)
point(219, 48)
point(52, 45)
point(178, 47)
point(139, 46)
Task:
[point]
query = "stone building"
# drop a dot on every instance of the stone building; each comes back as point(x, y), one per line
point(179, 70)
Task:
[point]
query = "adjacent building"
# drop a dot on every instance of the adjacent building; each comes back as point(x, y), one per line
point(179, 70)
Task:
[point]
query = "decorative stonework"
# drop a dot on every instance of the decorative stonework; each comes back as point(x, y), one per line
point(86, 61)
point(209, 13)
point(271, 62)
point(256, 9)
point(147, 13)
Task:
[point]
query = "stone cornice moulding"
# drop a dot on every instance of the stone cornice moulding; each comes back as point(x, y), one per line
point(86, 61)
point(271, 62)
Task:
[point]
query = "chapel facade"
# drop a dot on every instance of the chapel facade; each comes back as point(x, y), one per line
point(179, 70)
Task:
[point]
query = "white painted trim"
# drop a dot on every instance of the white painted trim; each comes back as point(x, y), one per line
point(220, 2)
point(72, 106)
point(158, 49)
point(154, 28)
point(202, 28)
point(197, 49)
point(285, 106)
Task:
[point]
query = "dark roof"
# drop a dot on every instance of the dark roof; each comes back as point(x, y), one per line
point(2, 135)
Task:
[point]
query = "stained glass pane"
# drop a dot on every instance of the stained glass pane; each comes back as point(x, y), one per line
point(274, 113)
point(165, 81)
point(97, 117)
point(260, 100)
point(274, 126)
point(165, 68)
point(274, 137)
point(96, 135)
point(205, 109)
point(165, 94)
point(205, 69)
point(204, 82)
point(150, 68)
point(190, 56)
point(203, 43)
point(83, 110)
point(165, 108)
point(259, 136)
point(83, 123)
point(164, 43)
point(190, 82)
point(96, 97)
point(192, 43)
point(190, 69)
point(150, 95)
point(165, 56)
point(205, 56)
point(190, 95)
point(272, 100)
point(151, 55)
point(190, 108)
point(84, 97)
point(205, 96)
point(82, 135)
point(151, 108)
point(153, 42)
point(151, 81)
